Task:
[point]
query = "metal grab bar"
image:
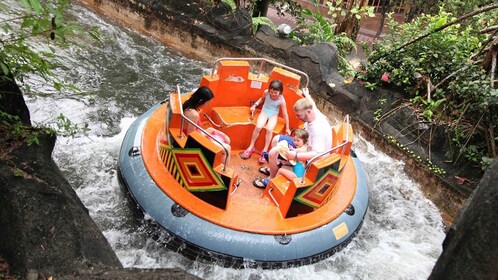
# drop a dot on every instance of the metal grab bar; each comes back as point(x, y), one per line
point(200, 128)
point(260, 59)
point(308, 164)
point(273, 198)
point(211, 121)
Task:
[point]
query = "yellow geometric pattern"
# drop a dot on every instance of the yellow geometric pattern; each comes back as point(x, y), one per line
point(195, 171)
point(319, 193)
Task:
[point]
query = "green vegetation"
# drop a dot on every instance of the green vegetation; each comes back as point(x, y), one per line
point(336, 28)
point(21, 55)
point(440, 65)
point(258, 21)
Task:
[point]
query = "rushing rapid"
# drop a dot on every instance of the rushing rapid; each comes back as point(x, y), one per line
point(126, 73)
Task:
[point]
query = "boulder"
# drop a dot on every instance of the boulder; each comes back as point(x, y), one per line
point(470, 249)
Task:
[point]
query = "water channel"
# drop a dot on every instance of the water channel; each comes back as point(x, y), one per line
point(126, 73)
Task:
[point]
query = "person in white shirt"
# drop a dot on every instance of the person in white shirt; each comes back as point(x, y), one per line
point(320, 138)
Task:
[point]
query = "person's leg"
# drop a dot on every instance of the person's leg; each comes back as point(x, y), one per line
point(275, 140)
point(272, 122)
point(260, 123)
point(289, 174)
point(273, 161)
point(226, 154)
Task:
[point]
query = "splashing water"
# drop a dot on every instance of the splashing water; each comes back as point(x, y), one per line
point(123, 76)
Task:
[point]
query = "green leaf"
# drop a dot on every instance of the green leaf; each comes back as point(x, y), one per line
point(26, 5)
point(5, 69)
point(36, 6)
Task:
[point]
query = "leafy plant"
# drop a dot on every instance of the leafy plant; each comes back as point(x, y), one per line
point(20, 55)
point(442, 78)
point(320, 29)
point(258, 21)
point(65, 127)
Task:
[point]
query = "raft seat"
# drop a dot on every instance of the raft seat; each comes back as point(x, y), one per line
point(241, 115)
point(295, 197)
point(212, 152)
point(216, 193)
point(177, 137)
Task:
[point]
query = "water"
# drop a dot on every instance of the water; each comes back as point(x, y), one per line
point(127, 73)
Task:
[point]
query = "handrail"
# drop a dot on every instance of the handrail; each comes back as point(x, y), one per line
point(273, 198)
point(261, 66)
point(200, 128)
point(308, 164)
point(344, 143)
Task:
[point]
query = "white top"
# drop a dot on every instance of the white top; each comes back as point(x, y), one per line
point(320, 133)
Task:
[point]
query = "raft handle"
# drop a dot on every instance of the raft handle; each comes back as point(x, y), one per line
point(212, 122)
point(273, 198)
point(236, 185)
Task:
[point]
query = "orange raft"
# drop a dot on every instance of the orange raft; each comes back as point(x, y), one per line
point(210, 209)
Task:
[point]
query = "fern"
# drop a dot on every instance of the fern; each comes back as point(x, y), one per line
point(257, 21)
point(231, 3)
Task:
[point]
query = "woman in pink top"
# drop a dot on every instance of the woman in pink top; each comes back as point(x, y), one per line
point(192, 108)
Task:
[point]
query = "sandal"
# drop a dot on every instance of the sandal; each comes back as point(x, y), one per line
point(262, 158)
point(247, 154)
point(264, 170)
point(261, 183)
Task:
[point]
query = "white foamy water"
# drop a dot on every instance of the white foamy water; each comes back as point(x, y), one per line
point(126, 74)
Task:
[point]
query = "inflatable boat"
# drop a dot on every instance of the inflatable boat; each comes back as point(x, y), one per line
point(210, 209)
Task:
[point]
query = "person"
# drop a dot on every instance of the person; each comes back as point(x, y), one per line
point(273, 101)
point(320, 138)
point(300, 138)
point(192, 108)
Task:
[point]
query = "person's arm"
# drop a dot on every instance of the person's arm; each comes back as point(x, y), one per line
point(306, 94)
point(300, 156)
point(259, 101)
point(286, 116)
point(192, 115)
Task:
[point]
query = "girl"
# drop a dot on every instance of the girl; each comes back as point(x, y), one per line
point(192, 108)
point(273, 101)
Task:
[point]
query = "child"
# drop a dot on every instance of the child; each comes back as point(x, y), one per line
point(300, 139)
point(273, 100)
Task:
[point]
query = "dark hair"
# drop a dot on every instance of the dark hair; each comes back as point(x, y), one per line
point(199, 97)
point(302, 134)
point(277, 85)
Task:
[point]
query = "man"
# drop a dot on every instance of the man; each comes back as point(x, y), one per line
point(320, 138)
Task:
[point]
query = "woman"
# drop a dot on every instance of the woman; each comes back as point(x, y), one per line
point(192, 108)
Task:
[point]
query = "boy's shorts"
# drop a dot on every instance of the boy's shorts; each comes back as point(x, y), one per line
point(282, 137)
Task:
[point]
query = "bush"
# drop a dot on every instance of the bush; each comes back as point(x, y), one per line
point(459, 93)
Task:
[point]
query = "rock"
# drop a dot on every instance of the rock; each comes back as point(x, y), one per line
point(12, 101)
point(49, 229)
point(45, 230)
point(470, 249)
point(233, 24)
